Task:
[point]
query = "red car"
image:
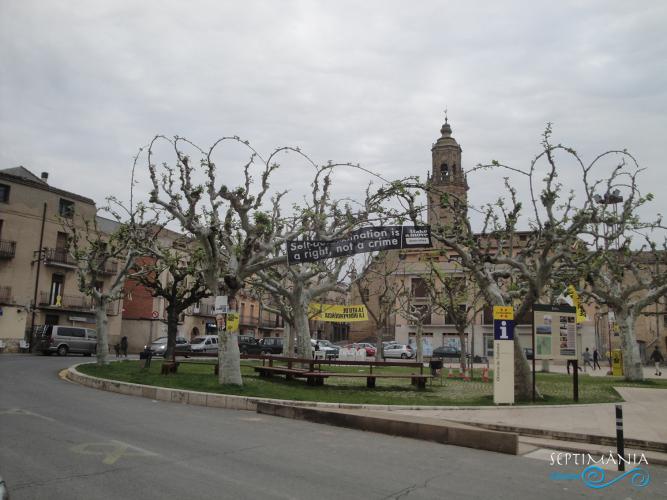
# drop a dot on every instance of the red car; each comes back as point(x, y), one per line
point(370, 349)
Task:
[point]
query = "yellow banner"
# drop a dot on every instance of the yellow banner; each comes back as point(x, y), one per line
point(581, 315)
point(337, 314)
point(232, 322)
point(503, 312)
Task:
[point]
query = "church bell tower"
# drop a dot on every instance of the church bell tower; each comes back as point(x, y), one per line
point(446, 180)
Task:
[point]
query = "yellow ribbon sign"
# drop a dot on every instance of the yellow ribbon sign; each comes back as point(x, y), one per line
point(232, 322)
point(337, 314)
point(581, 315)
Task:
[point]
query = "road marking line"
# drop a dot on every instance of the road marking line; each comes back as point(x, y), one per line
point(19, 411)
point(111, 450)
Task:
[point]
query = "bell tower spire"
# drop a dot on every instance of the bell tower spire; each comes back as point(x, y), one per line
point(446, 179)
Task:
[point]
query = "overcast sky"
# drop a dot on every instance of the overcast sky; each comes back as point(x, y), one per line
point(84, 84)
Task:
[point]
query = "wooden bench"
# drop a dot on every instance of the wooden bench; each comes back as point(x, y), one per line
point(268, 371)
point(317, 377)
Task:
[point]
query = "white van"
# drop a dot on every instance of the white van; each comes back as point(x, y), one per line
point(204, 343)
point(66, 339)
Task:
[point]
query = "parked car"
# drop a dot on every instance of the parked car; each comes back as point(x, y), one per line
point(370, 348)
point(249, 345)
point(66, 339)
point(204, 343)
point(529, 352)
point(271, 345)
point(446, 351)
point(159, 346)
point(398, 351)
point(330, 351)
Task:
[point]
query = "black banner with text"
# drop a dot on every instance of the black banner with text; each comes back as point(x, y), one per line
point(367, 239)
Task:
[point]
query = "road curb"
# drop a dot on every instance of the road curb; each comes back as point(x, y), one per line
point(444, 432)
point(597, 439)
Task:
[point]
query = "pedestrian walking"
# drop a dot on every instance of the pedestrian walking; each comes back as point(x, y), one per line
point(596, 356)
point(587, 359)
point(123, 346)
point(657, 358)
point(116, 348)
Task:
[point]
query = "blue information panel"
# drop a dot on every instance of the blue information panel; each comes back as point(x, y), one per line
point(503, 329)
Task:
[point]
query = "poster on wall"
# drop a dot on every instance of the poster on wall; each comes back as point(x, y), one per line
point(555, 331)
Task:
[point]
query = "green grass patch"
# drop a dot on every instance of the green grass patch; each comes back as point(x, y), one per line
point(556, 388)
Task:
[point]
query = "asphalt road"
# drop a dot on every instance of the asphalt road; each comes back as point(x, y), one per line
point(59, 440)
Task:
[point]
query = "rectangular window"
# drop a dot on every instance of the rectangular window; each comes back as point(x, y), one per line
point(488, 315)
point(66, 208)
point(4, 193)
point(55, 297)
point(71, 332)
point(419, 288)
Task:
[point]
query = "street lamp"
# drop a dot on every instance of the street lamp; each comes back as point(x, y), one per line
point(610, 198)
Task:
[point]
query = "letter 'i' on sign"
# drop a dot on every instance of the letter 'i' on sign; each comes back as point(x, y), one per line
point(503, 330)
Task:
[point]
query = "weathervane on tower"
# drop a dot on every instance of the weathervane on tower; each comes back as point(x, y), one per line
point(445, 114)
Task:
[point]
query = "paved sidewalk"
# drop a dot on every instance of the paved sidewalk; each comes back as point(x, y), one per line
point(649, 371)
point(644, 412)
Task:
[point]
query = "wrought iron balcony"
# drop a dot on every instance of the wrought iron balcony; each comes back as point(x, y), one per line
point(80, 303)
point(58, 257)
point(7, 249)
point(203, 309)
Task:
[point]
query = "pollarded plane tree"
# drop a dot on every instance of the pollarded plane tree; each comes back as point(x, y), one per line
point(99, 254)
point(415, 306)
point(237, 228)
point(379, 289)
point(513, 267)
point(172, 269)
point(624, 267)
point(456, 298)
point(240, 229)
point(320, 218)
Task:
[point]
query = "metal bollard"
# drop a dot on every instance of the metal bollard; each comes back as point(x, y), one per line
point(620, 445)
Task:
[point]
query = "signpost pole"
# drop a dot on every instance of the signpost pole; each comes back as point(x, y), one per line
point(533, 338)
point(575, 380)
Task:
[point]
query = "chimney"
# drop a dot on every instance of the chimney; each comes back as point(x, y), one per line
point(45, 176)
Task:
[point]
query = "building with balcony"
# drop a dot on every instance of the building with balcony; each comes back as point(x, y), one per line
point(38, 282)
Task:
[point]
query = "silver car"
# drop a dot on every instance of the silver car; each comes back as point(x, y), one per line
point(159, 346)
point(398, 351)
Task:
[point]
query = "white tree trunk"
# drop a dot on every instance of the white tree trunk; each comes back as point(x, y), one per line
point(303, 345)
point(632, 362)
point(102, 332)
point(523, 377)
point(288, 340)
point(229, 358)
point(420, 343)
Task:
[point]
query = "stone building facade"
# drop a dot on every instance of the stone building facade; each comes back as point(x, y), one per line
point(38, 282)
